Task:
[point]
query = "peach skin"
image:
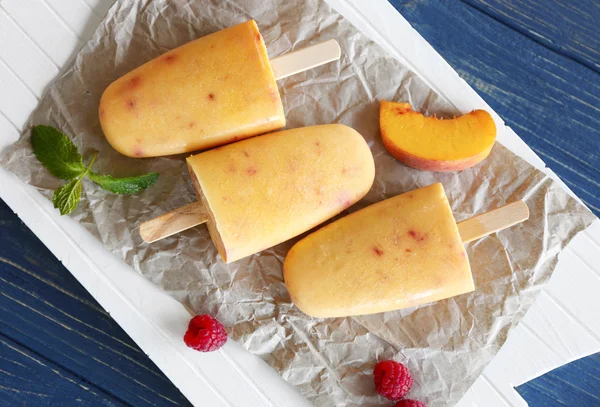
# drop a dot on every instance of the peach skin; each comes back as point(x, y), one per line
point(432, 144)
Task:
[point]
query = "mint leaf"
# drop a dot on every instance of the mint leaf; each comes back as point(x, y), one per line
point(56, 152)
point(66, 198)
point(129, 185)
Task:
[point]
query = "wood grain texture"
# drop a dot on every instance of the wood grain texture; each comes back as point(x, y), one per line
point(550, 100)
point(56, 343)
point(534, 61)
point(574, 385)
point(173, 222)
point(306, 58)
point(20, 373)
point(569, 28)
point(493, 221)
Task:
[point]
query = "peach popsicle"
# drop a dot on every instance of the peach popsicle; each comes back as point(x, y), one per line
point(259, 192)
point(211, 91)
point(398, 253)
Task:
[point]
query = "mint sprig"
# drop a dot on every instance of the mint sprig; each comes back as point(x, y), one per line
point(60, 156)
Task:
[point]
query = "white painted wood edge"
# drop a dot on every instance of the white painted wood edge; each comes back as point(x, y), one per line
point(305, 59)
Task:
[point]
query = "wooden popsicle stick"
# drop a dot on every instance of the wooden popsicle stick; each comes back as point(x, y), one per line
point(493, 221)
point(173, 222)
point(305, 59)
point(470, 229)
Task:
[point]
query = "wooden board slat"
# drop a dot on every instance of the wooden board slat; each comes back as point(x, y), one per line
point(59, 43)
point(15, 109)
point(77, 15)
point(28, 378)
point(572, 385)
point(98, 7)
point(550, 100)
point(24, 57)
point(47, 313)
point(569, 28)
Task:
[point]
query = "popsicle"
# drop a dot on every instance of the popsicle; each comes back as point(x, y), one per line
point(259, 192)
point(398, 253)
point(212, 91)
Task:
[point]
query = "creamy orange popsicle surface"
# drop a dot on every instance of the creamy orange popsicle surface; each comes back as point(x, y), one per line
point(212, 91)
point(268, 189)
point(397, 253)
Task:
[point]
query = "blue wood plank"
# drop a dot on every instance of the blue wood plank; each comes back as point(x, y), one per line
point(48, 316)
point(569, 28)
point(574, 385)
point(550, 100)
point(26, 378)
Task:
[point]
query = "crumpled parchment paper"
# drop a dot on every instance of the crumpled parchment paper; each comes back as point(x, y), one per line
point(446, 344)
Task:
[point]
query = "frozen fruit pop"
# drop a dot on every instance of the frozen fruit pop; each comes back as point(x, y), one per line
point(259, 192)
point(212, 91)
point(401, 252)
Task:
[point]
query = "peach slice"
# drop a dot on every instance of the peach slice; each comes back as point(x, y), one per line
point(432, 144)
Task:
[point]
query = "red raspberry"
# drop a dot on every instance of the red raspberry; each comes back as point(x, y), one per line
point(410, 403)
point(392, 379)
point(205, 334)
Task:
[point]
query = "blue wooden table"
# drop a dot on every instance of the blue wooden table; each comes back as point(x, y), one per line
point(536, 62)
